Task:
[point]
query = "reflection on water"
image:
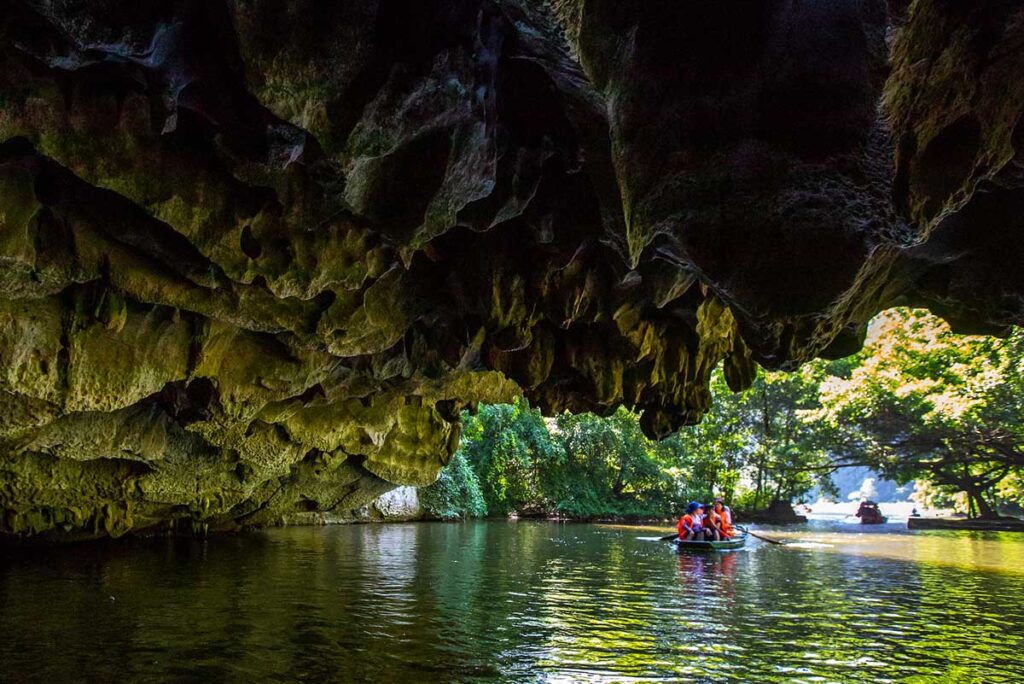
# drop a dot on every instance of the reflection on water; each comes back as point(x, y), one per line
point(994, 551)
point(435, 602)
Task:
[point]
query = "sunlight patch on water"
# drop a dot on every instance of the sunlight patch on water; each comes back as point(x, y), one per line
point(994, 552)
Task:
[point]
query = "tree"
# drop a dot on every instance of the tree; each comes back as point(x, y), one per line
point(456, 493)
point(707, 459)
point(762, 436)
point(607, 467)
point(926, 403)
point(506, 444)
point(789, 455)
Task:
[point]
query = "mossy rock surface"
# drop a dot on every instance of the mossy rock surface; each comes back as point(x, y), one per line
point(256, 257)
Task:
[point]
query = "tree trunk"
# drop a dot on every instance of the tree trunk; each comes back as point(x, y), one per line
point(760, 483)
point(985, 510)
point(977, 503)
point(619, 484)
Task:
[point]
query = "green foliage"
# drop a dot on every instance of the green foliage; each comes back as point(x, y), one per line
point(506, 445)
point(583, 465)
point(927, 494)
point(608, 467)
point(456, 493)
point(761, 436)
point(924, 403)
point(698, 474)
point(746, 500)
point(1010, 492)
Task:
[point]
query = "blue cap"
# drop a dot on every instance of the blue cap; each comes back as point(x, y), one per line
point(693, 506)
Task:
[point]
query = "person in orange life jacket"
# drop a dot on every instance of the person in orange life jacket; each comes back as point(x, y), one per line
point(724, 518)
point(691, 525)
point(726, 511)
point(713, 524)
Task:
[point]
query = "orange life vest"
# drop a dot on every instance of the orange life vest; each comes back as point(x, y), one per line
point(687, 521)
point(722, 521)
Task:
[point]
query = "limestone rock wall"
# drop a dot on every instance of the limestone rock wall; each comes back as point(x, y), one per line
point(399, 505)
point(256, 256)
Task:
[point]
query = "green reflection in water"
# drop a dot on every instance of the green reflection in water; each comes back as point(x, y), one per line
point(533, 601)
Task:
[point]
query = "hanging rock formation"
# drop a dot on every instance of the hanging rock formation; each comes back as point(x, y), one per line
point(256, 256)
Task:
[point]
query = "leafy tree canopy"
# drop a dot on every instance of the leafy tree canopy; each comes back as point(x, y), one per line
point(922, 402)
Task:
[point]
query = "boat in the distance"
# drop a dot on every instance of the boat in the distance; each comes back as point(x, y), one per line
point(736, 542)
point(869, 514)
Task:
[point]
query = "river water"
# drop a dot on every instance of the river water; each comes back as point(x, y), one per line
point(517, 601)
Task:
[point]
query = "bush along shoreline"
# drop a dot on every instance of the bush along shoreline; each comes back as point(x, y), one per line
point(514, 463)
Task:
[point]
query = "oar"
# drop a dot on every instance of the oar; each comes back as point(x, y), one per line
point(669, 537)
point(754, 534)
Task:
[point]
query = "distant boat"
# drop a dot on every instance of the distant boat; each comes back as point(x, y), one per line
point(736, 542)
point(869, 514)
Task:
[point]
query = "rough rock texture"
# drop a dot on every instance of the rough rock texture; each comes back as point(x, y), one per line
point(398, 505)
point(255, 255)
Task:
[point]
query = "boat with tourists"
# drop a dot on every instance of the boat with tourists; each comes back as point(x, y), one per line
point(869, 514)
point(707, 528)
point(684, 545)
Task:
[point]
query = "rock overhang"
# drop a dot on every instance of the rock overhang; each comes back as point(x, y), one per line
point(257, 256)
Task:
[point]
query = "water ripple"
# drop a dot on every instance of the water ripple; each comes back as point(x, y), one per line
point(516, 601)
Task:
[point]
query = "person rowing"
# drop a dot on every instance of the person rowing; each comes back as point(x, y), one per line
point(724, 518)
point(725, 510)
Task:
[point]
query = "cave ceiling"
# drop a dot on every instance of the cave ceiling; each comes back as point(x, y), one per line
point(256, 255)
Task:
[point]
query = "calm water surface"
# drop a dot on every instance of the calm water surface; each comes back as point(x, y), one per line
point(518, 601)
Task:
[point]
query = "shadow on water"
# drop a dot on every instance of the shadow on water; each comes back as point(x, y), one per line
point(433, 602)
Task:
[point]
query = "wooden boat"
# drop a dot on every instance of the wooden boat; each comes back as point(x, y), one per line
point(736, 542)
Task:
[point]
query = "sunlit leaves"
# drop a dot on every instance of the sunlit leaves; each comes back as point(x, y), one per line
point(926, 403)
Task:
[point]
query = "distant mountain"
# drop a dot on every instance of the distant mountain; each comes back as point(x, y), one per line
point(851, 480)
